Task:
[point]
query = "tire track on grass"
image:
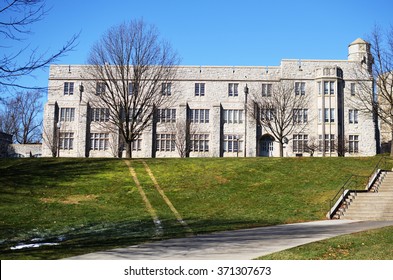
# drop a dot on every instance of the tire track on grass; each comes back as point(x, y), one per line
point(166, 199)
point(149, 207)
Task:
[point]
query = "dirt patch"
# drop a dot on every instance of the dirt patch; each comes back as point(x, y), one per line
point(72, 199)
point(221, 180)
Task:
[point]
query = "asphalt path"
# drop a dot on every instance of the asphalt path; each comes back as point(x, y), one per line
point(237, 245)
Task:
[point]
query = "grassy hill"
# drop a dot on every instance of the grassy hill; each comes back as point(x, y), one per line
point(85, 205)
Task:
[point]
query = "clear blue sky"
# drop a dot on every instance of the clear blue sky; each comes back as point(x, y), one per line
point(218, 32)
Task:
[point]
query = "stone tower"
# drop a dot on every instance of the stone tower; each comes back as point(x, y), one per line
point(359, 50)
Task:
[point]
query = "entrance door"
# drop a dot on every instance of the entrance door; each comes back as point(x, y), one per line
point(266, 146)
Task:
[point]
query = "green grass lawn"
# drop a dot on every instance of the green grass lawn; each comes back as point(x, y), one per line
point(374, 244)
point(86, 205)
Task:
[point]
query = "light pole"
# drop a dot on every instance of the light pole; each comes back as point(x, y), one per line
point(58, 125)
point(81, 90)
point(245, 119)
point(237, 144)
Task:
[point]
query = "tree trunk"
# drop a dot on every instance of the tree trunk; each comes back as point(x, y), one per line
point(281, 148)
point(129, 149)
point(391, 143)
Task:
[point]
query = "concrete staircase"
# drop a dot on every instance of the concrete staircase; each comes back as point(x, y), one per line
point(376, 204)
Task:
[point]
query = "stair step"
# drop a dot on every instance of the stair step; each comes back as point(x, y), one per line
point(371, 205)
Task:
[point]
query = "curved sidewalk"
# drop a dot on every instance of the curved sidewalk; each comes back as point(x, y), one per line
point(237, 245)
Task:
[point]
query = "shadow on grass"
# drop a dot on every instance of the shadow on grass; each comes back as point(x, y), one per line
point(99, 237)
point(49, 171)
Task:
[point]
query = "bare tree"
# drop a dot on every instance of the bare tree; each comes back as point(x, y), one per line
point(133, 71)
point(16, 18)
point(312, 145)
point(183, 131)
point(275, 110)
point(51, 140)
point(21, 117)
point(374, 93)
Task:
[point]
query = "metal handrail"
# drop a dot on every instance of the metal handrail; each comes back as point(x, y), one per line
point(341, 192)
point(351, 181)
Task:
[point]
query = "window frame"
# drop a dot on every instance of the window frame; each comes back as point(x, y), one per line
point(68, 88)
point(233, 143)
point(233, 89)
point(166, 89)
point(353, 144)
point(99, 141)
point(300, 88)
point(200, 89)
point(266, 89)
point(100, 88)
point(165, 142)
point(66, 140)
point(67, 114)
point(300, 143)
point(199, 142)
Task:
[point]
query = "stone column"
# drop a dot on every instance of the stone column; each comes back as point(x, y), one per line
point(215, 131)
point(81, 137)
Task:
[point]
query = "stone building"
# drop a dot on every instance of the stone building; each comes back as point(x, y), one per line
point(5, 141)
point(214, 100)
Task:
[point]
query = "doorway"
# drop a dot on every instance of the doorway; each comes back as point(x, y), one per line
point(266, 146)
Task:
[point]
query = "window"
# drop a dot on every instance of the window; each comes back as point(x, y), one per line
point(165, 142)
point(132, 89)
point(233, 143)
point(300, 115)
point(328, 87)
point(300, 88)
point(233, 89)
point(99, 141)
point(233, 116)
point(329, 115)
point(332, 114)
point(67, 114)
point(331, 87)
point(100, 114)
point(68, 88)
point(300, 143)
point(166, 89)
point(66, 140)
point(353, 115)
point(133, 114)
point(199, 115)
point(353, 144)
point(166, 115)
point(136, 145)
point(327, 143)
point(326, 115)
point(100, 88)
point(199, 142)
point(353, 88)
point(325, 87)
point(267, 114)
point(199, 89)
point(267, 90)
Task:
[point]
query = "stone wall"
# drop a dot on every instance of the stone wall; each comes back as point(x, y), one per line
point(216, 99)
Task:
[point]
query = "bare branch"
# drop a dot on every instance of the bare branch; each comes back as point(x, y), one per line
point(132, 65)
point(274, 109)
point(17, 16)
point(374, 92)
point(20, 117)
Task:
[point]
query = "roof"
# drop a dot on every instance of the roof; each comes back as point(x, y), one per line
point(358, 41)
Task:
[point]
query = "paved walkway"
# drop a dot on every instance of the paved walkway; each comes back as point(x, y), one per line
point(237, 245)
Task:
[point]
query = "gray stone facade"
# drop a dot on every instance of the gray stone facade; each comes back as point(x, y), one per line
point(223, 126)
